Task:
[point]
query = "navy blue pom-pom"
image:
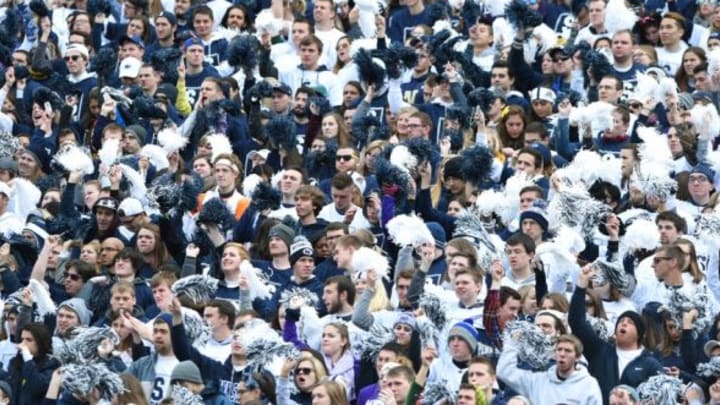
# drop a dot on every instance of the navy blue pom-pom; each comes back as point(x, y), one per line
point(243, 52)
point(214, 211)
point(368, 70)
point(166, 60)
point(387, 173)
point(266, 197)
point(598, 63)
point(281, 131)
point(39, 8)
point(520, 15)
point(43, 95)
point(421, 148)
point(397, 58)
point(103, 63)
point(476, 164)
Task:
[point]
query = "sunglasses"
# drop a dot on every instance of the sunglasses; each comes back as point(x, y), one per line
point(635, 105)
point(345, 158)
point(561, 59)
point(72, 276)
point(303, 370)
point(74, 58)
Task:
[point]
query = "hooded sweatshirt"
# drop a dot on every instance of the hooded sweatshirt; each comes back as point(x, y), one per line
point(545, 387)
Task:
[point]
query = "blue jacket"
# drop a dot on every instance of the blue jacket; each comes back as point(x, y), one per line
point(210, 369)
point(30, 382)
point(602, 355)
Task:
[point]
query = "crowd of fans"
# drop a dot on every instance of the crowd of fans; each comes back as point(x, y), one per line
point(360, 202)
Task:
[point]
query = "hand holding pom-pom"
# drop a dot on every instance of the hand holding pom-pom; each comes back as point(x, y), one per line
point(105, 348)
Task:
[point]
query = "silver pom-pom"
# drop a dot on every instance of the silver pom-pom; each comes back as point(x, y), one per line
point(614, 273)
point(82, 348)
point(707, 229)
point(429, 333)
point(601, 328)
point(709, 369)
point(438, 392)
point(369, 347)
point(469, 225)
point(261, 352)
point(573, 206)
point(81, 379)
point(534, 347)
point(197, 330)
point(308, 297)
point(9, 144)
point(435, 309)
point(183, 396)
point(679, 302)
point(661, 389)
point(197, 287)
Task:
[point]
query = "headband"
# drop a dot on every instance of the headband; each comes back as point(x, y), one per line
point(227, 162)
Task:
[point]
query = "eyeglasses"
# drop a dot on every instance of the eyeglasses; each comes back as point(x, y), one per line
point(345, 158)
point(697, 179)
point(561, 59)
point(635, 105)
point(109, 249)
point(72, 276)
point(74, 58)
point(413, 126)
point(658, 259)
point(303, 371)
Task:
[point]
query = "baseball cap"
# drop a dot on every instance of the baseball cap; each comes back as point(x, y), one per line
point(710, 346)
point(129, 207)
point(129, 67)
point(542, 93)
point(134, 39)
point(7, 163)
point(107, 203)
point(283, 88)
point(263, 153)
point(170, 17)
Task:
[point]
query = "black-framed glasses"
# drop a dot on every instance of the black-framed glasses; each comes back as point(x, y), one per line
point(74, 58)
point(72, 276)
point(345, 158)
point(303, 371)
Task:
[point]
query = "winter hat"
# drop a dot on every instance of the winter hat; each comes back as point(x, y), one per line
point(164, 317)
point(9, 164)
point(186, 371)
point(542, 93)
point(453, 168)
point(544, 152)
point(78, 306)
point(466, 331)
point(710, 346)
point(685, 101)
point(283, 232)
point(301, 247)
point(107, 203)
point(438, 234)
point(36, 224)
point(702, 168)
point(405, 319)
point(537, 213)
point(632, 392)
point(139, 132)
point(637, 320)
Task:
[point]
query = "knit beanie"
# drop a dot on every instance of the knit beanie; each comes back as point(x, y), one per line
point(467, 332)
point(637, 320)
point(283, 232)
point(300, 247)
point(537, 213)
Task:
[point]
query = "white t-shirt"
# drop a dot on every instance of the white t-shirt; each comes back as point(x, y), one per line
point(161, 386)
point(670, 61)
point(625, 357)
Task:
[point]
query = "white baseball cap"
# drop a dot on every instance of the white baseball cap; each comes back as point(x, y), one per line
point(129, 68)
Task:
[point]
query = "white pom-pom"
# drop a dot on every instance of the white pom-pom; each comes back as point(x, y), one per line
point(220, 144)
point(74, 158)
point(157, 156)
point(618, 17)
point(258, 287)
point(409, 230)
point(654, 148)
point(250, 183)
point(642, 234)
point(646, 89)
point(402, 158)
point(713, 58)
point(366, 259)
point(266, 22)
point(706, 121)
point(171, 140)
point(667, 87)
point(109, 152)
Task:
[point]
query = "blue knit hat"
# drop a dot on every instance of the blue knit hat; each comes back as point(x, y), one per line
point(537, 213)
point(467, 332)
